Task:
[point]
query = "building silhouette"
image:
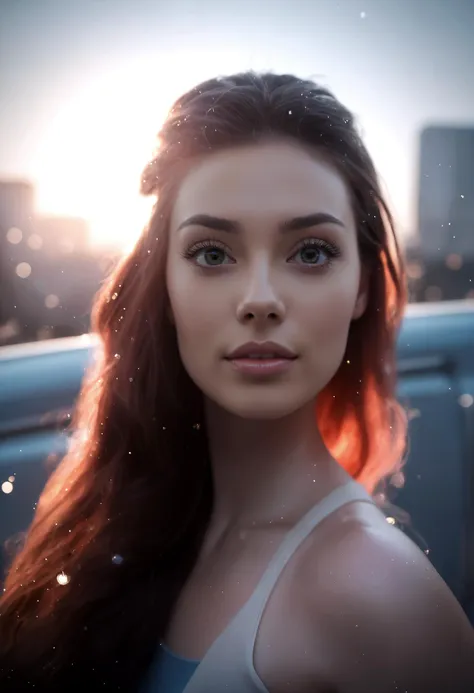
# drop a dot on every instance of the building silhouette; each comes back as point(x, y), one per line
point(442, 267)
point(48, 274)
point(446, 191)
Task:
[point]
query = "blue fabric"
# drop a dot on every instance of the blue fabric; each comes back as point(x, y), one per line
point(169, 673)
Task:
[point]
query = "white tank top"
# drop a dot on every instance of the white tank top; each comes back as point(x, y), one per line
point(228, 664)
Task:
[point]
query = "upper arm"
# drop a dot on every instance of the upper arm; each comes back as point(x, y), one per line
point(393, 623)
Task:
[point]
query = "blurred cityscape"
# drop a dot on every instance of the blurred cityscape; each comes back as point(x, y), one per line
point(50, 272)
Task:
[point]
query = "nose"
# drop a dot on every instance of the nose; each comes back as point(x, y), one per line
point(260, 302)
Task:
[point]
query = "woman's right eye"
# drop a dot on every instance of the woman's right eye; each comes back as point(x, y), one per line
point(211, 257)
point(206, 254)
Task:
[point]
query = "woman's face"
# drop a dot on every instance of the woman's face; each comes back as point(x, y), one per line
point(263, 248)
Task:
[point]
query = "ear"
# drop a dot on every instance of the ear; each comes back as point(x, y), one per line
point(362, 295)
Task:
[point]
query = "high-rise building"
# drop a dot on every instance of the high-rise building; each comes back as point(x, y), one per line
point(48, 276)
point(62, 235)
point(18, 299)
point(16, 203)
point(446, 193)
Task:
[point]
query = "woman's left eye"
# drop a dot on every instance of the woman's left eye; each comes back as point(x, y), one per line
point(315, 253)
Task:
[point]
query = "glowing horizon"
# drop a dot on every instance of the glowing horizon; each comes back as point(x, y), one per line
point(86, 85)
point(89, 161)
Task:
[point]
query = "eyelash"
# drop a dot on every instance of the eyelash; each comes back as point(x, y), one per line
point(191, 252)
point(331, 250)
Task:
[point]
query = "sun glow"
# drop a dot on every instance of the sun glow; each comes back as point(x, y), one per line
point(91, 158)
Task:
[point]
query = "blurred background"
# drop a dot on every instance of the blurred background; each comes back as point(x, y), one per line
point(85, 85)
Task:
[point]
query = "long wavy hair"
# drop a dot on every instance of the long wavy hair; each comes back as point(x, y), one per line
point(119, 525)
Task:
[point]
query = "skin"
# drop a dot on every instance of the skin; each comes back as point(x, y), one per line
point(302, 289)
point(263, 289)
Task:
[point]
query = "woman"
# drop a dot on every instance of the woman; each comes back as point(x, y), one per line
point(214, 528)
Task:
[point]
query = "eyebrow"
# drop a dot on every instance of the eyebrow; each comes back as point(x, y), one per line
point(229, 226)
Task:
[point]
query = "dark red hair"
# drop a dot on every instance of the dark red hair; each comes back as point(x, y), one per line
point(125, 513)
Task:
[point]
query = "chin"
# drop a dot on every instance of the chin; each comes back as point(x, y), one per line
point(265, 408)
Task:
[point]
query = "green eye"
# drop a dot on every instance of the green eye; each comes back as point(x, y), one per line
point(211, 257)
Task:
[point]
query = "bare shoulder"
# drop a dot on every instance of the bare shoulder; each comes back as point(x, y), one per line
point(387, 617)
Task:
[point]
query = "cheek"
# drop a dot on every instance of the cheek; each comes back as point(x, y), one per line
point(334, 315)
point(196, 313)
point(330, 315)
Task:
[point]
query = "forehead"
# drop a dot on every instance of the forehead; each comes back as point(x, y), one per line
point(277, 179)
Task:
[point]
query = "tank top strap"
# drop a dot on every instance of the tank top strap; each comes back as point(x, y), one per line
point(228, 664)
point(342, 495)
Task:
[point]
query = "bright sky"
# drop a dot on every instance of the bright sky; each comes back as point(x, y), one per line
point(87, 85)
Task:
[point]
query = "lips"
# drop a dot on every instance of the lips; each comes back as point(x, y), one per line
point(266, 360)
point(261, 351)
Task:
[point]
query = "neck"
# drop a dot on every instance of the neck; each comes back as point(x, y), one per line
point(267, 472)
